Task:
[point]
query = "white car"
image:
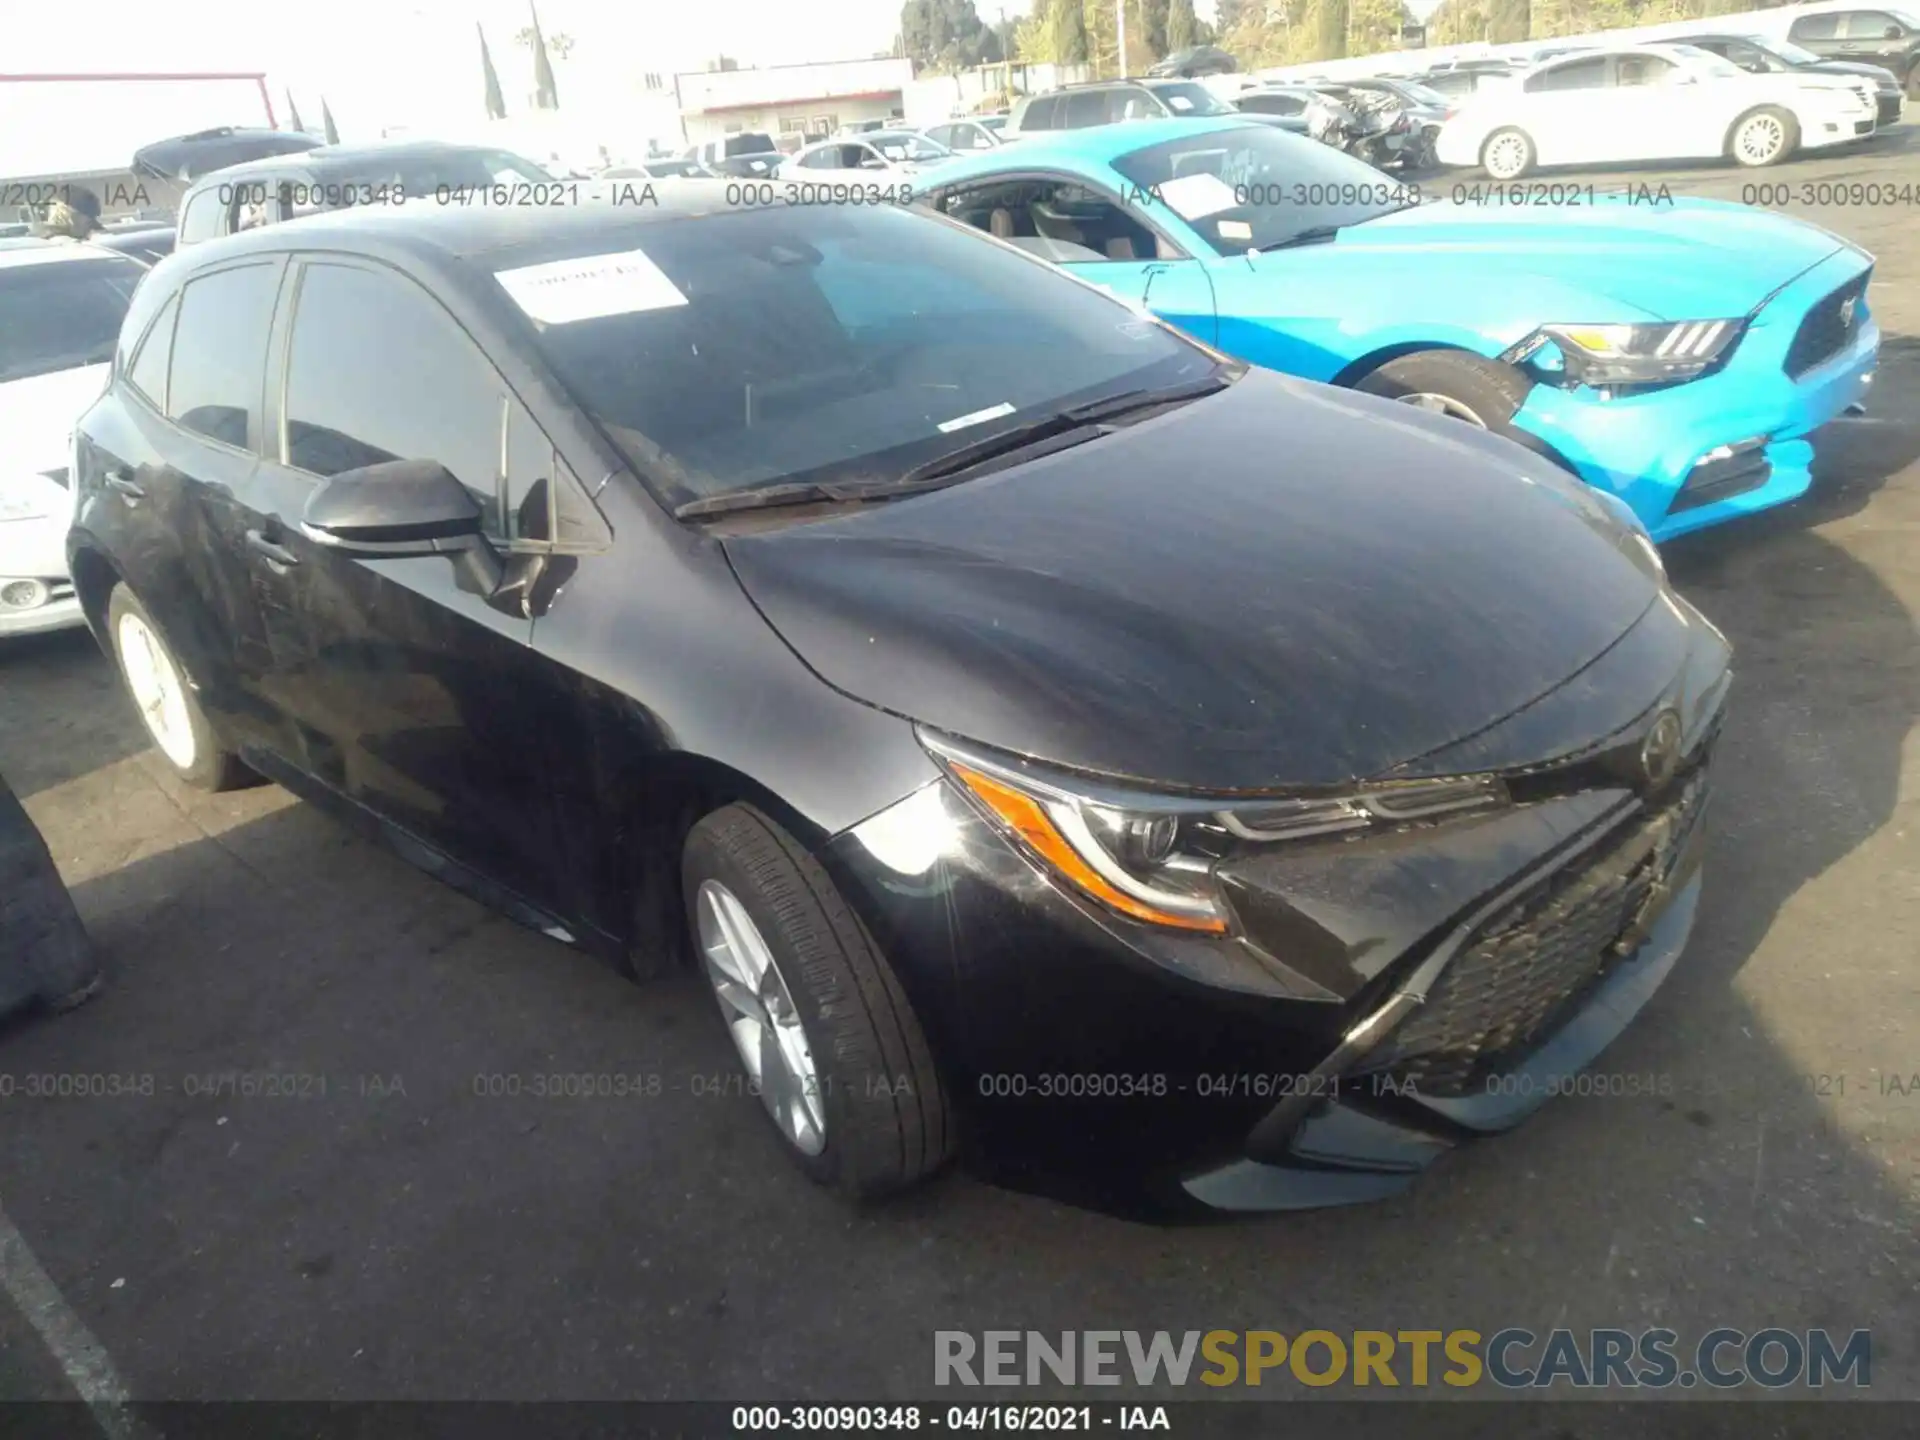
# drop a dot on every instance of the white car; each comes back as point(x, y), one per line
point(61, 304)
point(877, 157)
point(970, 133)
point(1651, 102)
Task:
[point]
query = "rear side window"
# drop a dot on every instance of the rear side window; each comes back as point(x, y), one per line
point(148, 373)
point(1574, 75)
point(220, 353)
point(1087, 107)
point(62, 314)
point(1868, 25)
point(200, 219)
point(1815, 27)
point(1040, 114)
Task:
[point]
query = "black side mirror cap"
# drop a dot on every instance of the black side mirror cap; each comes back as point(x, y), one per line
point(398, 507)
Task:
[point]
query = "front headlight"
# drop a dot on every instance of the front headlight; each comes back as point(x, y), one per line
point(1152, 856)
point(1602, 355)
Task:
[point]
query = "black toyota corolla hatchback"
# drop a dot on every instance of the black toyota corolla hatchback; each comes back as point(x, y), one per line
point(1044, 734)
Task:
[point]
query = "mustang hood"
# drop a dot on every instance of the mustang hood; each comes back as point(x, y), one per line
point(1673, 260)
point(1281, 585)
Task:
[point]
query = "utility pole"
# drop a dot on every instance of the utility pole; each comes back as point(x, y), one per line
point(1120, 23)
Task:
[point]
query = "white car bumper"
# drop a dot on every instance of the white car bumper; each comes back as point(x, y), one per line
point(1845, 118)
point(35, 593)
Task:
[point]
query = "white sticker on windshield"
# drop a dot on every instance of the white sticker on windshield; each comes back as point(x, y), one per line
point(1179, 102)
point(590, 287)
point(1194, 197)
point(1234, 230)
point(961, 422)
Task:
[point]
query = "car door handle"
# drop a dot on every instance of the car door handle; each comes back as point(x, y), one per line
point(122, 482)
point(277, 556)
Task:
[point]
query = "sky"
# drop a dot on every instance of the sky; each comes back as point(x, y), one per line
point(392, 62)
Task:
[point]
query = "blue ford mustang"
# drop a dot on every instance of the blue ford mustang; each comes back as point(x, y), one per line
point(1676, 353)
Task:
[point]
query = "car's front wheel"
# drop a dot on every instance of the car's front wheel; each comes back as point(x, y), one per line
point(1453, 383)
point(1508, 154)
point(824, 1030)
point(166, 700)
point(1763, 137)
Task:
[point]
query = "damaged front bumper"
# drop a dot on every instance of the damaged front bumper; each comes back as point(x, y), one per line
point(1406, 1084)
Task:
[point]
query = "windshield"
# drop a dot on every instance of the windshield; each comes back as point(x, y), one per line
point(908, 147)
point(1706, 62)
point(1793, 54)
point(63, 314)
point(1419, 94)
point(1247, 187)
point(832, 344)
point(1185, 97)
point(995, 123)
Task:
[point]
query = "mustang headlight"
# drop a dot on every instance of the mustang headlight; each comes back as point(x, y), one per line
point(1152, 857)
point(1602, 355)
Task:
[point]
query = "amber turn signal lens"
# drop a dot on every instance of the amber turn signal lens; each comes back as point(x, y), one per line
point(1026, 817)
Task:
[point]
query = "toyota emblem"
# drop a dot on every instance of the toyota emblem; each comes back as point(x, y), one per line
point(1660, 751)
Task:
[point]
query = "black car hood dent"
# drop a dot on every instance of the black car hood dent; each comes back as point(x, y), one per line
point(1281, 585)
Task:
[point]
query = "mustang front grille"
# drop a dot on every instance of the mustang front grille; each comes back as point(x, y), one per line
point(1827, 328)
point(1518, 976)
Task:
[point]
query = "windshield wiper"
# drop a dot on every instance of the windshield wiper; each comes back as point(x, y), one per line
point(1320, 234)
point(1056, 431)
point(1129, 401)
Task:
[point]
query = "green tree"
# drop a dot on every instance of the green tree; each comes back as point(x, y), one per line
point(1180, 26)
point(1329, 29)
point(1070, 45)
point(947, 34)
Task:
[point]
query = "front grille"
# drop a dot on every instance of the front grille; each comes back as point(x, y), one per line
point(1720, 477)
point(1827, 328)
point(1525, 968)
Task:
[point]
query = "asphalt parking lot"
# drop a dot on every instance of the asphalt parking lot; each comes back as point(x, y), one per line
point(385, 1231)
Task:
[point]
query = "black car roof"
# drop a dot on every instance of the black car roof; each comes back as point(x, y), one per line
point(328, 159)
point(607, 218)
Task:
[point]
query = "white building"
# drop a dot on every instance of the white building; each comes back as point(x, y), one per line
point(791, 99)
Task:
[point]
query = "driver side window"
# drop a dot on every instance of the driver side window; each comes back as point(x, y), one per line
point(378, 371)
point(1643, 70)
point(1574, 75)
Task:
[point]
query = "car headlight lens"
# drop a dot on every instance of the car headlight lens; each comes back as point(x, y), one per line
point(1600, 355)
point(1152, 857)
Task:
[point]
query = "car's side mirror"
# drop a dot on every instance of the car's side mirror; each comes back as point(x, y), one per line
point(396, 508)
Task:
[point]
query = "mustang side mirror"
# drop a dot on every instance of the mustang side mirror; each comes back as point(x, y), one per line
point(399, 507)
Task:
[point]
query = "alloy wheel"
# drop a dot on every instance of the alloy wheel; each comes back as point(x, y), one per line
point(1760, 139)
point(761, 1017)
point(1506, 157)
point(158, 689)
point(1444, 405)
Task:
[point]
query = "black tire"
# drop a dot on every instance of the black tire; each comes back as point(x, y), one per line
point(1491, 390)
point(1508, 135)
point(889, 1123)
point(1789, 130)
point(213, 766)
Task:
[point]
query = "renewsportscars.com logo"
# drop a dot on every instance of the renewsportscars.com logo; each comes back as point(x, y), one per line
point(1513, 1359)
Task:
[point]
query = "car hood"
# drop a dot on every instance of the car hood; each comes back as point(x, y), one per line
point(37, 416)
point(1281, 585)
point(1681, 259)
point(1879, 74)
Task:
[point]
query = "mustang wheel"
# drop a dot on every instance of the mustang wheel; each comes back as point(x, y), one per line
point(1508, 154)
point(1763, 137)
point(165, 699)
point(823, 1028)
point(1466, 387)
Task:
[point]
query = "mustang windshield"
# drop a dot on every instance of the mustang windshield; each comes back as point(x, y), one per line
point(1253, 187)
point(833, 344)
